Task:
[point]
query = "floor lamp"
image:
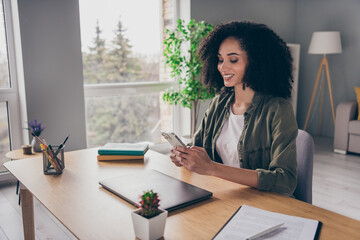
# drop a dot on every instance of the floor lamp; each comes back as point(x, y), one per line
point(323, 43)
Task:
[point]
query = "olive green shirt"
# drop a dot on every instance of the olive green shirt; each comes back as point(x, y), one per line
point(267, 143)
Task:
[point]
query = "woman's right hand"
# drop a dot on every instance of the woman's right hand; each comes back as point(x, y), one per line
point(174, 159)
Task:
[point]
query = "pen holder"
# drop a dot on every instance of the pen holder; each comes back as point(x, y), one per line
point(53, 161)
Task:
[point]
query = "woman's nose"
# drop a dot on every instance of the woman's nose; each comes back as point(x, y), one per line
point(224, 66)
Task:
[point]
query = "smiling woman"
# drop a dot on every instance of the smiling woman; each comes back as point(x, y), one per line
point(249, 130)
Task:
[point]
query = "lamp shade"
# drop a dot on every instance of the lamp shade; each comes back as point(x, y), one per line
point(325, 43)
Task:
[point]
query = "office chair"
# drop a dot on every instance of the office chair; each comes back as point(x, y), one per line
point(305, 156)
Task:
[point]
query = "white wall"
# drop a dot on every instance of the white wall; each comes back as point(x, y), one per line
point(50, 39)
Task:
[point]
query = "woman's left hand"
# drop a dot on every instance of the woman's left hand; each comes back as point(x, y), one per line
point(194, 159)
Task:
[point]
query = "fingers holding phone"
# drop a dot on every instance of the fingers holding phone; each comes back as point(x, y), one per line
point(175, 141)
point(175, 159)
point(194, 159)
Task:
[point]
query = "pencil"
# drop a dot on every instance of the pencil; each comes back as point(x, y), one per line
point(48, 157)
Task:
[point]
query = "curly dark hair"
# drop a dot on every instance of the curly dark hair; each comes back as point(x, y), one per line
point(269, 68)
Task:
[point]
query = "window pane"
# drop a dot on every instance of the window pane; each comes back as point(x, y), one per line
point(126, 118)
point(4, 69)
point(120, 40)
point(4, 135)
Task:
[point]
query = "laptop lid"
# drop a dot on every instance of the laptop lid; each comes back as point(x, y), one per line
point(173, 193)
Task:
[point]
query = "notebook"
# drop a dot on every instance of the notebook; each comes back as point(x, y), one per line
point(247, 222)
point(173, 193)
point(123, 149)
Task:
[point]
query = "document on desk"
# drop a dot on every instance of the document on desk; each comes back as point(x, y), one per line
point(249, 221)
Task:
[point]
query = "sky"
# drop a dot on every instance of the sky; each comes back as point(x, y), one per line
point(140, 19)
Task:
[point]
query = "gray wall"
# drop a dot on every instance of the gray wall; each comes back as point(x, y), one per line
point(295, 21)
point(50, 39)
point(277, 14)
point(327, 15)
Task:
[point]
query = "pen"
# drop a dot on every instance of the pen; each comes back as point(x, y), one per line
point(269, 230)
point(61, 145)
point(58, 169)
point(56, 160)
point(45, 144)
point(48, 157)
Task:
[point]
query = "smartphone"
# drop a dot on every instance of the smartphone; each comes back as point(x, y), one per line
point(173, 139)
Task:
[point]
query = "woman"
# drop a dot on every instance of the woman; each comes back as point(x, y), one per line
point(249, 130)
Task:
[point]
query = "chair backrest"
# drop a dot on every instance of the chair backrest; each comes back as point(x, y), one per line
point(305, 156)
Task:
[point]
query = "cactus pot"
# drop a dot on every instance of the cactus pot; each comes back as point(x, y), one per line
point(149, 228)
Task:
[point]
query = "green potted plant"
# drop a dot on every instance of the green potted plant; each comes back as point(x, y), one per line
point(180, 55)
point(149, 220)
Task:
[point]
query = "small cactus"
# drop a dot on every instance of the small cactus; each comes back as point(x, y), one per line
point(149, 204)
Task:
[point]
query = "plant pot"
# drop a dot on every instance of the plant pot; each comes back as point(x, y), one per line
point(149, 228)
point(35, 145)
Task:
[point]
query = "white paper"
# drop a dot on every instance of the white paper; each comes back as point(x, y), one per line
point(249, 221)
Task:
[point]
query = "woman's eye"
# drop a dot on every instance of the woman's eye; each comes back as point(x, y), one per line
point(221, 61)
point(234, 61)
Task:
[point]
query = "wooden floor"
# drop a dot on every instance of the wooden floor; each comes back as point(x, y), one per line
point(336, 187)
point(336, 180)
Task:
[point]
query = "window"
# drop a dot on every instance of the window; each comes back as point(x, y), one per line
point(10, 131)
point(4, 85)
point(123, 77)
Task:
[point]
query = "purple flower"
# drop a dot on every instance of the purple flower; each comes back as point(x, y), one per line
point(36, 127)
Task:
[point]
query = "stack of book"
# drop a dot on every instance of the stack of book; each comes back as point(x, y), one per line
point(122, 151)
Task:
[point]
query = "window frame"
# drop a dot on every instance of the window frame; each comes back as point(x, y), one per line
point(128, 88)
point(14, 96)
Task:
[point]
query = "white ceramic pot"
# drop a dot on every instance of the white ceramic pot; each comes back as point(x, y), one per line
point(149, 228)
point(35, 145)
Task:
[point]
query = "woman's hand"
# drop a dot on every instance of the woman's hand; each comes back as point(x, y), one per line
point(174, 158)
point(194, 159)
point(197, 160)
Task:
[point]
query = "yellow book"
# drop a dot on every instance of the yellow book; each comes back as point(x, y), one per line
point(119, 157)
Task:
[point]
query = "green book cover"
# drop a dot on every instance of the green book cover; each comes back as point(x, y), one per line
point(123, 149)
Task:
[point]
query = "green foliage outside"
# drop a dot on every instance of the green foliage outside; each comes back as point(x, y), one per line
point(186, 65)
point(114, 63)
point(121, 118)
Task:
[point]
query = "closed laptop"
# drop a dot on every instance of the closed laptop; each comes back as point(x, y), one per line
point(173, 193)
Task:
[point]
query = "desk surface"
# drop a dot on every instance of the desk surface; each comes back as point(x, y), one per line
point(91, 212)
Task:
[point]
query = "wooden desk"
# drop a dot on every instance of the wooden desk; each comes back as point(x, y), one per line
point(90, 212)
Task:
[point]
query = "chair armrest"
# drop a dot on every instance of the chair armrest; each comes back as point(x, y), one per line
point(345, 112)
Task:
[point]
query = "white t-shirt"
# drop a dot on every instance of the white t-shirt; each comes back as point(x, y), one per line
point(226, 144)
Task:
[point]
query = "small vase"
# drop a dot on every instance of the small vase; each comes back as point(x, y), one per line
point(149, 228)
point(35, 145)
